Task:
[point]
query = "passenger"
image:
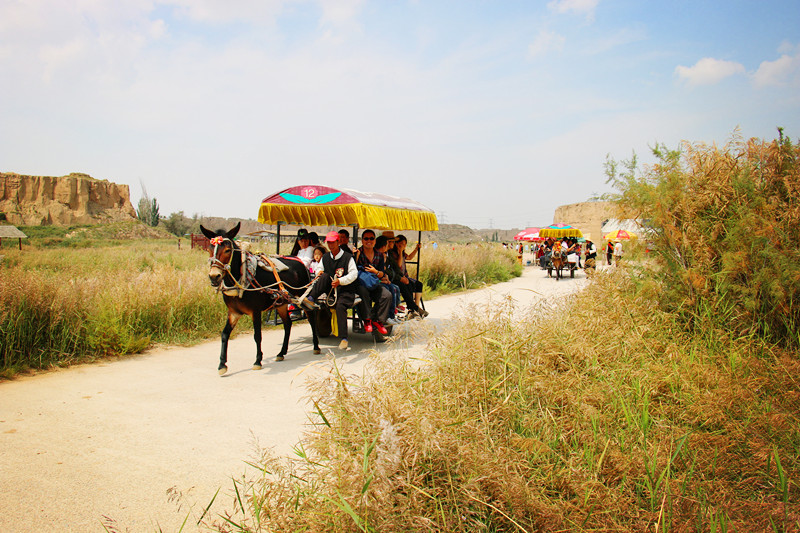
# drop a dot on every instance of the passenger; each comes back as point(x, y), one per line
point(381, 246)
point(410, 288)
point(591, 256)
point(314, 238)
point(344, 241)
point(296, 247)
point(379, 299)
point(316, 267)
point(339, 279)
point(306, 251)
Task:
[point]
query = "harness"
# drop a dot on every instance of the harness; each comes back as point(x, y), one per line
point(247, 281)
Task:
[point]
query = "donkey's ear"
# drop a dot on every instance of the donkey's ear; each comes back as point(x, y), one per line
point(207, 232)
point(232, 233)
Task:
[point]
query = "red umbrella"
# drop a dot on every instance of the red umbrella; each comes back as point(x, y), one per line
point(523, 235)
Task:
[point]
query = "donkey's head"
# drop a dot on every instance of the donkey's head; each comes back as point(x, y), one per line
point(222, 247)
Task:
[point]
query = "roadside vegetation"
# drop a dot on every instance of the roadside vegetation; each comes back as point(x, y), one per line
point(79, 293)
point(664, 397)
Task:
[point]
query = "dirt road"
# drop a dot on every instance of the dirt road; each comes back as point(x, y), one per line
point(111, 439)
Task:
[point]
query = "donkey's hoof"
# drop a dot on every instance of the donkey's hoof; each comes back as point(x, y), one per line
point(317, 351)
point(222, 370)
point(257, 367)
point(279, 358)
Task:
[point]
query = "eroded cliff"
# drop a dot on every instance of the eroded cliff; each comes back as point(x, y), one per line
point(63, 201)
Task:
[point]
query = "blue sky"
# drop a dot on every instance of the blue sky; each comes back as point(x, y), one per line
point(490, 113)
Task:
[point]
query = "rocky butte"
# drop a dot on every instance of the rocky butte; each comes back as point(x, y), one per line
point(63, 201)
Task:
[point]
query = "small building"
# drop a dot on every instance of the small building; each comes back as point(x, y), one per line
point(11, 232)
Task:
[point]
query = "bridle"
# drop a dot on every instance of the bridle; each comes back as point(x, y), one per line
point(247, 283)
point(225, 267)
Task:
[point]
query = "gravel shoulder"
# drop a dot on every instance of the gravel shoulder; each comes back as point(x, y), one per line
point(108, 442)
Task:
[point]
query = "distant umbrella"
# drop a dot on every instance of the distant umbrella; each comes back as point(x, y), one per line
point(560, 230)
point(620, 235)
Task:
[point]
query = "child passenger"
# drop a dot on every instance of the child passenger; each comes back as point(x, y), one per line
point(316, 263)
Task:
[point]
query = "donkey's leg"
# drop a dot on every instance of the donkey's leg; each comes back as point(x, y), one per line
point(312, 319)
point(233, 318)
point(257, 337)
point(283, 312)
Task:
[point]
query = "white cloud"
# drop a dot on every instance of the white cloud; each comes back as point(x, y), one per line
point(783, 71)
point(545, 42)
point(580, 7)
point(709, 71)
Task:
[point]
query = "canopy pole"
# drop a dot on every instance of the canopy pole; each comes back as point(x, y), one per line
point(278, 239)
point(419, 252)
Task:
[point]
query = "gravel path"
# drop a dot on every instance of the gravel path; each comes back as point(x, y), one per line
point(107, 442)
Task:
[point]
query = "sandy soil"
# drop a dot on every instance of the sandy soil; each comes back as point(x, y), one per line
point(106, 443)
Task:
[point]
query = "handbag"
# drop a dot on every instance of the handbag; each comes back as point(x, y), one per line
point(368, 280)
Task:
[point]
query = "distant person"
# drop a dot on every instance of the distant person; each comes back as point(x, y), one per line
point(617, 252)
point(590, 265)
point(609, 252)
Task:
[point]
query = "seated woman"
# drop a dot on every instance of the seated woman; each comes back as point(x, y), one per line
point(305, 252)
point(382, 244)
point(378, 299)
point(410, 288)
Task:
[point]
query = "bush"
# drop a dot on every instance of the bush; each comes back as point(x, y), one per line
point(725, 223)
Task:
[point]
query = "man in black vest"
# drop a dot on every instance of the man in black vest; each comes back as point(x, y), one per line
point(339, 275)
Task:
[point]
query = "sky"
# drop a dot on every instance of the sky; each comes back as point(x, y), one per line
point(491, 113)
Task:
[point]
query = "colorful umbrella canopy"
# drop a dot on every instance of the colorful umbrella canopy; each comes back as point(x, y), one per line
point(317, 205)
point(620, 235)
point(560, 230)
point(527, 234)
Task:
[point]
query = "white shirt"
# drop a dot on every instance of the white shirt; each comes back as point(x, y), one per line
point(352, 271)
point(306, 255)
point(618, 249)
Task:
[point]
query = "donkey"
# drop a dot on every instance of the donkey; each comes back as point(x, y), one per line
point(558, 259)
point(249, 289)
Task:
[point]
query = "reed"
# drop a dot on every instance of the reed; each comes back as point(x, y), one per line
point(64, 305)
point(601, 415)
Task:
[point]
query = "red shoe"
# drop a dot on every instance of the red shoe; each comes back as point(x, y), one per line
point(368, 326)
point(382, 330)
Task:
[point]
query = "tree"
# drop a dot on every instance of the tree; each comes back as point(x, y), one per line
point(178, 224)
point(148, 209)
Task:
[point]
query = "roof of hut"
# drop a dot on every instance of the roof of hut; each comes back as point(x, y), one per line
point(11, 232)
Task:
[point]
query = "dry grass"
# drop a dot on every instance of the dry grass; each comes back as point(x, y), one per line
point(59, 306)
point(602, 416)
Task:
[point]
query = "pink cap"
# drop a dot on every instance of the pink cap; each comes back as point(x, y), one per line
point(332, 236)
